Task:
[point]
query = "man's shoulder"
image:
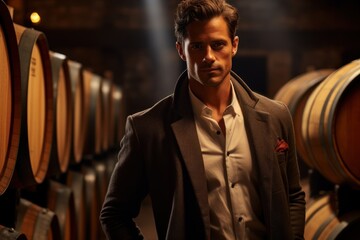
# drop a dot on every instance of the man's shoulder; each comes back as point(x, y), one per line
point(270, 105)
point(158, 109)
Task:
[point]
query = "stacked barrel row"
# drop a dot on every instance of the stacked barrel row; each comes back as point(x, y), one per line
point(325, 105)
point(60, 124)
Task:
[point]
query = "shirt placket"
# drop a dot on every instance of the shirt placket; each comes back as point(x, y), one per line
point(230, 183)
point(232, 179)
point(229, 171)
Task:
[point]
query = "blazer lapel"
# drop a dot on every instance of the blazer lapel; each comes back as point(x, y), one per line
point(185, 133)
point(258, 129)
point(184, 130)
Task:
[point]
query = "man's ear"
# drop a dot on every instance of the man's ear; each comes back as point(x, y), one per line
point(235, 44)
point(180, 51)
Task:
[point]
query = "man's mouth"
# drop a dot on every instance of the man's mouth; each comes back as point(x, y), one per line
point(209, 69)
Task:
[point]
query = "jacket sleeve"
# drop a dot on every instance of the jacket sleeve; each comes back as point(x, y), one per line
point(126, 190)
point(296, 194)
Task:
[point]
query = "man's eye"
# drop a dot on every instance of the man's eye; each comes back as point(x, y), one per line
point(218, 45)
point(195, 46)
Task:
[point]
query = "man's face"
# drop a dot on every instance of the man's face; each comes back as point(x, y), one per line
point(208, 51)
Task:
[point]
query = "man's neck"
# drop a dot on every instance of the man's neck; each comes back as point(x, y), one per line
point(216, 98)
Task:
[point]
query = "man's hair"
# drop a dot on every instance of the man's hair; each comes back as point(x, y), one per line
point(189, 11)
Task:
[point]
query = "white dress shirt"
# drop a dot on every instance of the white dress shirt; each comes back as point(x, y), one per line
point(235, 207)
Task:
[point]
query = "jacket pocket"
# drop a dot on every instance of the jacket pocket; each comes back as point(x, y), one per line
point(280, 183)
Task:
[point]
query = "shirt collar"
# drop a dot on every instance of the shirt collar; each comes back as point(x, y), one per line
point(200, 109)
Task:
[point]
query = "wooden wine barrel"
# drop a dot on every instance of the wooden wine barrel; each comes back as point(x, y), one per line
point(331, 125)
point(110, 162)
point(37, 223)
point(106, 89)
point(113, 113)
point(61, 143)
point(100, 168)
point(118, 115)
point(91, 203)
point(61, 202)
point(101, 171)
point(78, 105)
point(11, 234)
point(294, 94)
point(10, 98)
point(93, 112)
point(323, 222)
point(37, 107)
point(76, 182)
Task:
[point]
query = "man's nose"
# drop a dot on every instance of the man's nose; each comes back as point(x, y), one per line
point(208, 55)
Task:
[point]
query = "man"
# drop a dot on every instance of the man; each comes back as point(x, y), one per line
point(218, 160)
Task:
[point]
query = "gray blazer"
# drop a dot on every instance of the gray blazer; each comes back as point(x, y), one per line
point(160, 155)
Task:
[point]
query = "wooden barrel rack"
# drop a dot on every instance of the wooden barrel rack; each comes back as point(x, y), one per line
point(59, 135)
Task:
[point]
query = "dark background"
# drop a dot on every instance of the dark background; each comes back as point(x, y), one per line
point(133, 40)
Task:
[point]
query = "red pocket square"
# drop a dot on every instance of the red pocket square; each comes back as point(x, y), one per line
point(281, 145)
